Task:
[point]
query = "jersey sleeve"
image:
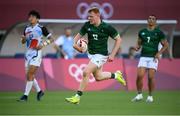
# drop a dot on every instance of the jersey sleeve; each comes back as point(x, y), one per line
point(140, 35)
point(83, 29)
point(112, 32)
point(45, 32)
point(24, 31)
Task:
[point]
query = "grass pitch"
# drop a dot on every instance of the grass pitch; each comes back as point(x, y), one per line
point(92, 103)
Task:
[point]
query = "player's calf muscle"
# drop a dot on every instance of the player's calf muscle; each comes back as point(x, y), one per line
point(98, 78)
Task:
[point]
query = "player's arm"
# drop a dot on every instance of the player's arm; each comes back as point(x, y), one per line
point(115, 48)
point(82, 32)
point(113, 33)
point(138, 44)
point(23, 38)
point(165, 45)
point(75, 46)
point(46, 42)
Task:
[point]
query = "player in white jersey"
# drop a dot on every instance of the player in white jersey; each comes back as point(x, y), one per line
point(32, 37)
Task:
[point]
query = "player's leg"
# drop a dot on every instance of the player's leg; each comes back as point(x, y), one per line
point(152, 67)
point(40, 93)
point(151, 84)
point(37, 62)
point(139, 83)
point(143, 64)
point(30, 78)
point(36, 85)
point(100, 75)
point(91, 67)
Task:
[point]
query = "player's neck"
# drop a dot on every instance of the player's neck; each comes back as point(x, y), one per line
point(67, 36)
point(151, 27)
point(98, 23)
point(33, 24)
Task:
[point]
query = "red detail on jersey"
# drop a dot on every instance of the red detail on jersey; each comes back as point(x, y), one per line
point(28, 32)
point(34, 43)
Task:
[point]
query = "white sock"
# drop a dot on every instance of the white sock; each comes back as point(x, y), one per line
point(28, 87)
point(77, 96)
point(150, 96)
point(115, 75)
point(36, 85)
point(140, 94)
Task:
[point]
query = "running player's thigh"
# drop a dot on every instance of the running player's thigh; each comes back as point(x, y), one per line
point(90, 68)
point(141, 72)
point(151, 73)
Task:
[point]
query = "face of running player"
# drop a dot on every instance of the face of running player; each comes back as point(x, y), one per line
point(33, 19)
point(93, 17)
point(152, 21)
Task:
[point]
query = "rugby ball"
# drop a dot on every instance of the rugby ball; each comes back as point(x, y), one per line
point(83, 44)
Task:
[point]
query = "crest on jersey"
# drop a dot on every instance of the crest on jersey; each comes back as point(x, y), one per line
point(143, 33)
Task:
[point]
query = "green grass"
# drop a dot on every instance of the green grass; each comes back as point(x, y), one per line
point(96, 103)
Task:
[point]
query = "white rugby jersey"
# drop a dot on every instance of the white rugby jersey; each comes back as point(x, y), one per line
point(34, 32)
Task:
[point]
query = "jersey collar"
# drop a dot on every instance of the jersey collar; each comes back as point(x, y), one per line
point(34, 25)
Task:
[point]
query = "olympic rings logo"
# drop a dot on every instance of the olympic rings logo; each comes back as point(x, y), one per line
point(77, 72)
point(106, 9)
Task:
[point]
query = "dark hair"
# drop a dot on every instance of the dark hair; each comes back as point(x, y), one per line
point(153, 16)
point(34, 13)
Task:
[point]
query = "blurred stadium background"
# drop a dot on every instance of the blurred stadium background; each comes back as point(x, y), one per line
point(61, 75)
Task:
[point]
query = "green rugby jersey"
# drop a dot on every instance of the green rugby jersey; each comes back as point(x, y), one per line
point(150, 41)
point(98, 37)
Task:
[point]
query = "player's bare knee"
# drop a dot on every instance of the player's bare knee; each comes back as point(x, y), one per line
point(86, 73)
point(97, 76)
point(151, 78)
point(30, 77)
point(139, 77)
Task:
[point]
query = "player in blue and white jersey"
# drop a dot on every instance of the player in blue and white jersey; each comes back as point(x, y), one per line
point(32, 37)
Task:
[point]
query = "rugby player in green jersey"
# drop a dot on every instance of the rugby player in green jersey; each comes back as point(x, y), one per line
point(149, 39)
point(98, 33)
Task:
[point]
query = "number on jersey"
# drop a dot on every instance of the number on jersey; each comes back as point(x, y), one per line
point(148, 39)
point(95, 36)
